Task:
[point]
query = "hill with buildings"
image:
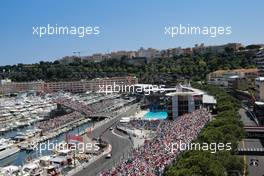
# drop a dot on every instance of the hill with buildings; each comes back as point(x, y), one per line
point(149, 65)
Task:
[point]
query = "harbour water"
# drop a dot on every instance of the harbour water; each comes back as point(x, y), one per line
point(13, 133)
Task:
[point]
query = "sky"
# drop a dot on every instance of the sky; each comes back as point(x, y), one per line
point(124, 25)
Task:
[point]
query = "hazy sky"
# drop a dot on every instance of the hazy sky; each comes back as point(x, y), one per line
point(124, 25)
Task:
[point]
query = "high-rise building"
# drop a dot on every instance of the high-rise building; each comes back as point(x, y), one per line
point(67, 86)
point(260, 63)
point(260, 88)
point(185, 100)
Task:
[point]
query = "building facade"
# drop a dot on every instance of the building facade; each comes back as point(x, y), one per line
point(67, 86)
point(258, 111)
point(260, 88)
point(180, 103)
point(148, 53)
point(184, 100)
point(260, 63)
point(71, 86)
point(225, 77)
point(202, 49)
point(15, 87)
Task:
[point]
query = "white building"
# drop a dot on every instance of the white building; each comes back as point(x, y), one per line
point(260, 88)
point(148, 53)
point(4, 81)
point(260, 63)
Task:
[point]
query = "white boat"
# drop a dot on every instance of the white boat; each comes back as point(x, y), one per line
point(63, 158)
point(49, 169)
point(20, 137)
point(29, 146)
point(32, 169)
point(2, 130)
point(60, 161)
point(10, 170)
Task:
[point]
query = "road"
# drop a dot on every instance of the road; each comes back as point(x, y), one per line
point(245, 118)
point(121, 145)
point(251, 143)
point(255, 170)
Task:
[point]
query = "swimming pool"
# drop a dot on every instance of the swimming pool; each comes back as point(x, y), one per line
point(161, 115)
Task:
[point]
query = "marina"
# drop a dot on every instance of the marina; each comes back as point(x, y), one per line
point(49, 119)
point(21, 111)
point(22, 155)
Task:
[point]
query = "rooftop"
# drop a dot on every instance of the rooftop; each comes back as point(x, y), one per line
point(182, 91)
point(260, 79)
point(208, 99)
point(259, 103)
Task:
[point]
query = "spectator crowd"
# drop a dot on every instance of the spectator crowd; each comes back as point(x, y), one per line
point(58, 121)
point(151, 158)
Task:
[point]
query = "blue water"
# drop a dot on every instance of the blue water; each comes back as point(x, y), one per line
point(13, 133)
point(161, 115)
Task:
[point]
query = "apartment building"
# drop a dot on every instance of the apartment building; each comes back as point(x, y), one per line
point(260, 63)
point(70, 86)
point(217, 48)
point(67, 86)
point(148, 53)
point(222, 77)
point(14, 87)
point(171, 52)
point(260, 88)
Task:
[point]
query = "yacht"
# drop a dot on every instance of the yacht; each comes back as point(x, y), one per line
point(49, 169)
point(63, 158)
point(28, 146)
point(32, 169)
point(20, 137)
point(3, 129)
point(10, 170)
